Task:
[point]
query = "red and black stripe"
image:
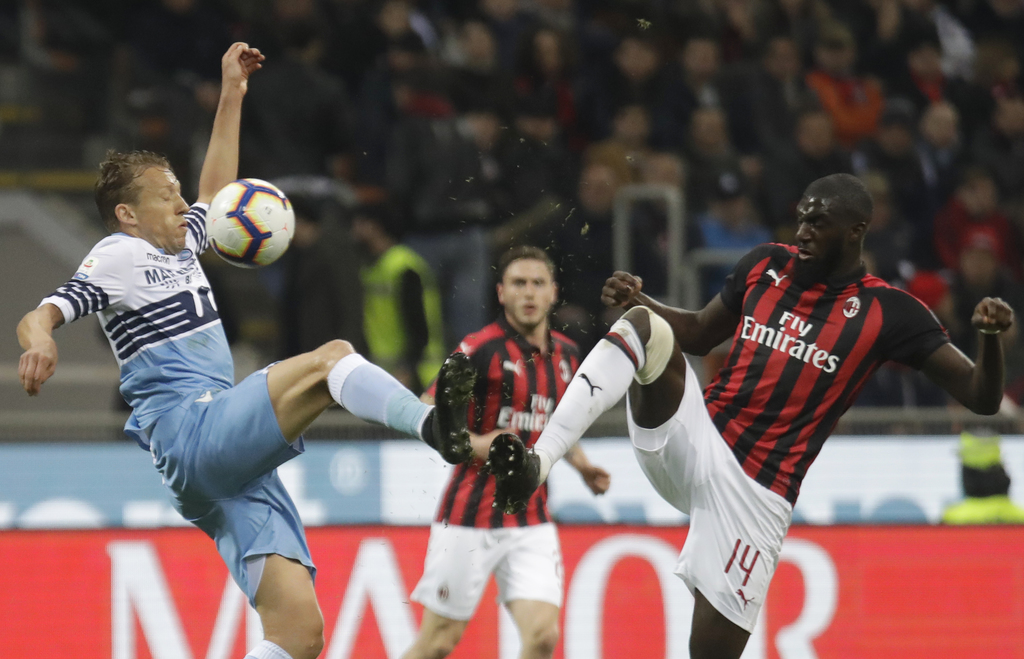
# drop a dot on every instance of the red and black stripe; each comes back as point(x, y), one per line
point(512, 376)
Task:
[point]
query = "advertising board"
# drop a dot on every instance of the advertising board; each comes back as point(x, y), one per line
point(840, 592)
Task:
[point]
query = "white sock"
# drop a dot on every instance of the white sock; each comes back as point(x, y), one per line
point(600, 382)
point(267, 650)
point(372, 394)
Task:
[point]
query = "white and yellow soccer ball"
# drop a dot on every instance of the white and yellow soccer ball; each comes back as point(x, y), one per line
point(250, 223)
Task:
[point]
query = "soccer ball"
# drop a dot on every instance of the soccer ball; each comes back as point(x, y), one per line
point(250, 223)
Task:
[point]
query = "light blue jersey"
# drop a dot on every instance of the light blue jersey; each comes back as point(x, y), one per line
point(159, 314)
point(217, 446)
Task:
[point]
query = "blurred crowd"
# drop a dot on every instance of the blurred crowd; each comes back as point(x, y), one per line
point(450, 130)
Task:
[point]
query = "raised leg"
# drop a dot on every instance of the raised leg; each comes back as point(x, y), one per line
point(712, 635)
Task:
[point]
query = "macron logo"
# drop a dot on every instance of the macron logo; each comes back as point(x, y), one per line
point(774, 275)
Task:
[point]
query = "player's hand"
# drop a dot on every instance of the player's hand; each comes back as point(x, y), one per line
point(597, 479)
point(992, 315)
point(36, 366)
point(238, 64)
point(620, 289)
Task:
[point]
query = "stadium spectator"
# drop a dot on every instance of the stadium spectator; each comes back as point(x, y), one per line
point(299, 118)
point(545, 68)
point(476, 71)
point(582, 244)
point(972, 213)
point(508, 22)
point(637, 77)
point(1000, 148)
point(444, 174)
point(778, 94)
point(729, 223)
point(402, 319)
point(535, 160)
point(955, 41)
point(998, 19)
point(710, 152)
point(890, 239)
point(356, 40)
point(697, 87)
point(941, 149)
point(320, 298)
point(922, 81)
point(814, 154)
point(985, 483)
point(402, 84)
point(981, 272)
point(892, 152)
point(997, 75)
point(629, 144)
point(853, 101)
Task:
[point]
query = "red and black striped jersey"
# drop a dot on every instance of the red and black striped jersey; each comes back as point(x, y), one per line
point(517, 388)
point(800, 356)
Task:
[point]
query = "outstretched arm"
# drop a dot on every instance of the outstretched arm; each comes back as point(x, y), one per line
point(977, 385)
point(220, 166)
point(35, 334)
point(697, 332)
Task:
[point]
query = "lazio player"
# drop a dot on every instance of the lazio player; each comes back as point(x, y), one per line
point(217, 446)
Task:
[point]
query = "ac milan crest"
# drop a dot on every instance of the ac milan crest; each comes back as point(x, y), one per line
point(851, 307)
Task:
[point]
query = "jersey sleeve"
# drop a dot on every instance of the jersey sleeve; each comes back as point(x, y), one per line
point(198, 239)
point(101, 281)
point(911, 332)
point(735, 286)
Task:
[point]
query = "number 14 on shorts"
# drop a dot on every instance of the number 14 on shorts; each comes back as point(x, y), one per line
point(740, 561)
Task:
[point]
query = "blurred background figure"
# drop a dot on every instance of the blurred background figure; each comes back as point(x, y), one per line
point(854, 102)
point(729, 223)
point(401, 303)
point(320, 295)
point(985, 483)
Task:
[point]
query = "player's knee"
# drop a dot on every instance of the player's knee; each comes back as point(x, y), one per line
point(657, 338)
point(640, 319)
point(443, 639)
point(542, 639)
point(332, 352)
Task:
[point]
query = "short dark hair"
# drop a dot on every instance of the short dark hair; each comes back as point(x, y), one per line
point(521, 252)
point(116, 183)
point(851, 199)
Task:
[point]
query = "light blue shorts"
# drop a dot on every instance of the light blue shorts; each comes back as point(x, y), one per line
point(218, 453)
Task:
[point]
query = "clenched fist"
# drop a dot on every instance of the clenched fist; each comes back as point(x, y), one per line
point(991, 316)
point(620, 289)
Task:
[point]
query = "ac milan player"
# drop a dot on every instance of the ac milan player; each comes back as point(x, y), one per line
point(809, 326)
point(523, 368)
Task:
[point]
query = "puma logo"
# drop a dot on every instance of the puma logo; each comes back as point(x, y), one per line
point(514, 367)
point(744, 598)
point(774, 275)
point(590, 384)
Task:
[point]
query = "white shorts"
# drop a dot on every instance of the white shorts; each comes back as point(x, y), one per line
point(736, 524)
point(526, 562)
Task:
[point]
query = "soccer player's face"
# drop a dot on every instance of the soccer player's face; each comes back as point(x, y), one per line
point(819, 238)
point(527, 291)
point(159, 213)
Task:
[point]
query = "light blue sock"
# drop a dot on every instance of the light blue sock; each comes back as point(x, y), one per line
point(372, 394)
